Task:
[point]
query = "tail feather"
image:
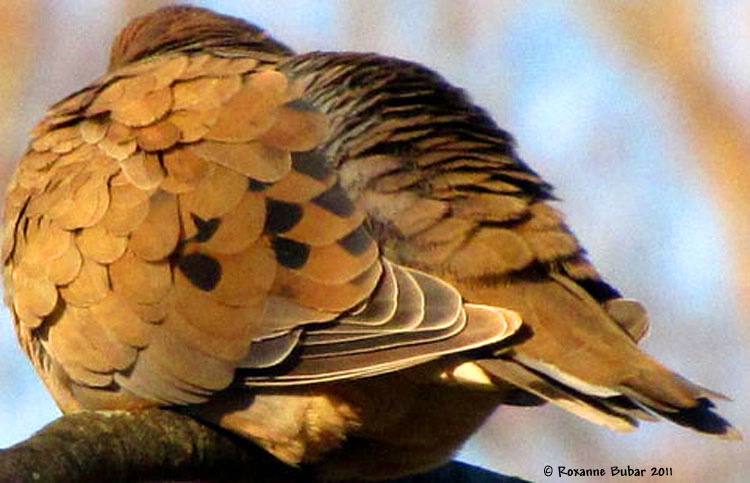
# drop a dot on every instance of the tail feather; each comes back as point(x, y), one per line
point(567, 398)
point(582, 356)
point(701, 418)
point(620, 413)
point(624, 405)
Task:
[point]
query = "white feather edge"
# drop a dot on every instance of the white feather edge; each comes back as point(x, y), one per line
point(555, 373)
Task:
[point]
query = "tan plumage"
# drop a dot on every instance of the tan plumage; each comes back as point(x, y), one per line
point(306, 249)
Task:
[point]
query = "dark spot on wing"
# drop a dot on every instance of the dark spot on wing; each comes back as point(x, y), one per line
point(255, 185)
point(357, 241)
point(311, 163)
point(202, 270)
point(335, 200)
point(206, 228)
point(282, 216)
point(290, 253)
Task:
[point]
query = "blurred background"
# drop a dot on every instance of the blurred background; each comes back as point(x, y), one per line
point(638, 112)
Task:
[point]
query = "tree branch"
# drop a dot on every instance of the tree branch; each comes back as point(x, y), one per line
point(157, 445)
point(146, 445)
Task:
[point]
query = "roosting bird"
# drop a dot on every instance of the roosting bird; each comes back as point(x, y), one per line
point(335, 255)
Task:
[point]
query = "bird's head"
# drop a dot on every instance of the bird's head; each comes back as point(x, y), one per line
point(181, 28)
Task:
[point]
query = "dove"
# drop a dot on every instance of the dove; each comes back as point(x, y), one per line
point(335, 255)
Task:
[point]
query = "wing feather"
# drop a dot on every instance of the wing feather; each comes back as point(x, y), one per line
point(195, 229)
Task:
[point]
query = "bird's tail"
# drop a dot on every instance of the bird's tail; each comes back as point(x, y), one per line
point(620, 412)
point(582, 356)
